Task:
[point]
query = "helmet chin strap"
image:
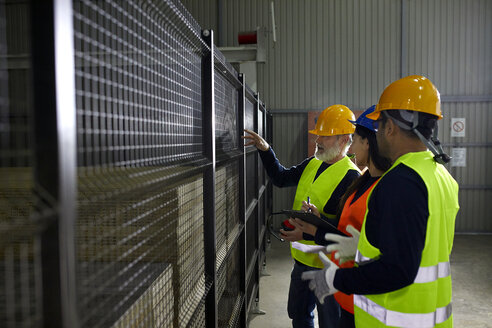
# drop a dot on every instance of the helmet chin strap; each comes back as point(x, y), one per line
point(433, 144)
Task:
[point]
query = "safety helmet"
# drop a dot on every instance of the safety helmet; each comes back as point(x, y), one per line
point(366, 122)
point(334, 120)
point(414, 92)
point(413, 95)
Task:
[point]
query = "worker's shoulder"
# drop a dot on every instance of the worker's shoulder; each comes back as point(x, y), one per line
point(352, 174)
point(402, 178)
point(308, 160)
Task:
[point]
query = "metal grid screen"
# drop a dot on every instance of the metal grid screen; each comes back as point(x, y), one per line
point(230, 299)
point(226, 209)
point(141, 140)
point(138, 85)
point(226, 103)
point(20, 220)
point(251, 161)
point(261, 170)
point(227, 232)
point(139, 236)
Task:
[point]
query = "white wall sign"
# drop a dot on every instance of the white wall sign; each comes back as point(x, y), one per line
point(458, 157)
point(458, 126)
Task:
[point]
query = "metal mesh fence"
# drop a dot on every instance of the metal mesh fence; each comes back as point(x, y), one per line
point(226, 103)
point(138, 86)
point(249, 115)
point(139, 237)
point(251, 237)
point(139, 227)
point(251, 179)
point(230, 298)
point(226, 209)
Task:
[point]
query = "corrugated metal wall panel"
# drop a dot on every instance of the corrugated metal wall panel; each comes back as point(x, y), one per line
point(290, 140)
point(336, 52)
point(450, 42)
point(474, 215)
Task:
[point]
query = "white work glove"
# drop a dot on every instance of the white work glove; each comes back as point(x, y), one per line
point(321, 281)
point(345, 247)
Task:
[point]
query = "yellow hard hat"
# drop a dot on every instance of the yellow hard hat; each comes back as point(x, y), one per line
point(334, 120)
point(413, 92)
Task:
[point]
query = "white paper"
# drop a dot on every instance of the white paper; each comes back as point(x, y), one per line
point(458, 157)
point(307, 248)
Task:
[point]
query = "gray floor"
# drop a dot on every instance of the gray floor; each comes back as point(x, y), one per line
point(471, 266)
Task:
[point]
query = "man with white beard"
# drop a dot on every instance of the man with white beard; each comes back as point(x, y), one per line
point(322, 180)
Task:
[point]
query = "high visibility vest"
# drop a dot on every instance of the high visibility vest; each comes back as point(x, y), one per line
point(427, 301)
point(319, 191)
point(352, 214)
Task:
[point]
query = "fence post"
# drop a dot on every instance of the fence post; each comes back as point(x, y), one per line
point(208, 105)
point(55, 154)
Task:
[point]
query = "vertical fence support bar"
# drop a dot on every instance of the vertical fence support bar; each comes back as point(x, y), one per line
point(258, 207)
point(265, 202)
point(242, 206)
point(54, 132)
point(210, 247)
point(269, 138)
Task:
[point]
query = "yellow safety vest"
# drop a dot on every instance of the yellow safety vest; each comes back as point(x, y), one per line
point(427, 301)
point(319, 191)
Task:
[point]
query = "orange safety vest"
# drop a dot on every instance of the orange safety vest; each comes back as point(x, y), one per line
point(352, 214)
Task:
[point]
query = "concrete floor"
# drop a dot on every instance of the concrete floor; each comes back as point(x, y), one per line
point(471, 267)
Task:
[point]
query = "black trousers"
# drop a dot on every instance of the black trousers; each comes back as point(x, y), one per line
point(346, 319)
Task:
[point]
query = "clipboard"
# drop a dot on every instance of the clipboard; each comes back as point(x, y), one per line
point(314, 220)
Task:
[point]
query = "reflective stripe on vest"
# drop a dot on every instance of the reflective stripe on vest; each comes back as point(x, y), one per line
point(319, 191)
point(432, 273)
point(399, 319)
point(359, 259)
point(424, 275)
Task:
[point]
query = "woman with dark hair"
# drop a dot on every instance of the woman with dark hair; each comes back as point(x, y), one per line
point(353, 204)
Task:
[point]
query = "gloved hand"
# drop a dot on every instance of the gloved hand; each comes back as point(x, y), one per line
point(345, 247)
point(321, 281)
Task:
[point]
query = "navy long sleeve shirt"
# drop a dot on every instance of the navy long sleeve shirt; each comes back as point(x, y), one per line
point(396, 224)
point(289, 177)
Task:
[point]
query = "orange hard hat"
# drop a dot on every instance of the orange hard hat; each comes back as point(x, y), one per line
point(334, 120)
point(414, 92)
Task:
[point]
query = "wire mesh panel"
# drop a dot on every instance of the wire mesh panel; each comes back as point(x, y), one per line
point(253, 284)
point(260, 121)
point(251, 237)
point(140, 221)
point(251, 178)
point(249, 115)
point(226, 209)
point(262, 211)
point(226, 104)
point(230, 299)
point(261, 129)
point(21, 210)
point(138, 85)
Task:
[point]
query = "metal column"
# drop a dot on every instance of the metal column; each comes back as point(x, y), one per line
point(55, 146)
point(208, 101)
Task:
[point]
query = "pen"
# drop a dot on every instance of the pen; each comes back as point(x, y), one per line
point(308, 201)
